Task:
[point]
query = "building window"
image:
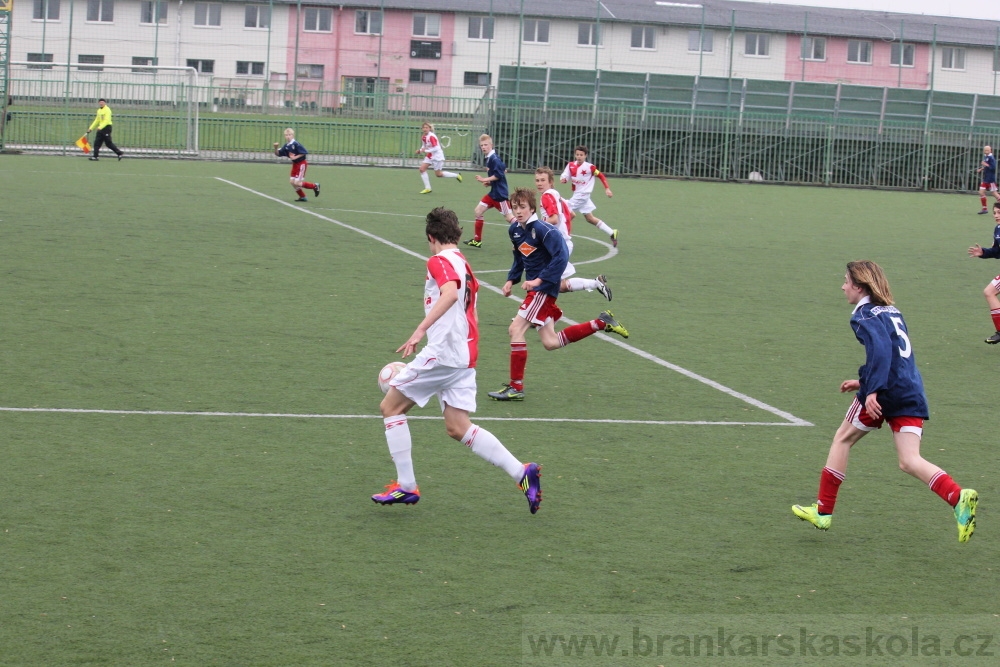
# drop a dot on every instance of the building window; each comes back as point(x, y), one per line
point(146, 9)
point(588, 34)
point(367, 22)
point(202, 66)
point(859, 51)
point(423, 76)
point(480, 27)
point(426, 25)
point(536, 32)
point(952, 58)
point(477, 78)
point(39, 58)
point(100, 11)
point(246, 68)
point(813, 48)
point(757, 44)
point(901, 53)
point(700, 41)
point(643, 37)
point(208, 14)
point(257, 16)
point(90, 60)
point(309, 71)
point(140, 60)
point(317, 19)
point(46, 10)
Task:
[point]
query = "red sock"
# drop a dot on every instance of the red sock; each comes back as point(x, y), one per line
point(943, 485)
point(308, 186)
point(983, 199)
point(580, 331)
point(829, 484)
point(479, 229)
point(300, 192)
point(518, 360)
point(995, 314)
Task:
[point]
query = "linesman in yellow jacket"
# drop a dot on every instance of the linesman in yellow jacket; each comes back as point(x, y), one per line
point(103, 124)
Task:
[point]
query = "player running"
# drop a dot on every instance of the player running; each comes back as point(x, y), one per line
point(992, 290)
point(889, 389)
point(296, 152)
point(581, 174)
point(540, 255)
point(445, 368)
point(988, 180)
point(496, 181)
point(434, 157)
point(556, 212)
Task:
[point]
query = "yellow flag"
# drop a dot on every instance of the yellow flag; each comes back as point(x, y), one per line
point(82, 142)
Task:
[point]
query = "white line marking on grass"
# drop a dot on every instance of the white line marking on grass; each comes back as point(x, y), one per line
point(291, 415)
point(795, 421)
point(611, 250)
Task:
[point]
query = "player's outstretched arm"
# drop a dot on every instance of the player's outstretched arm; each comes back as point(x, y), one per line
point(849, 385)
point(976, 251)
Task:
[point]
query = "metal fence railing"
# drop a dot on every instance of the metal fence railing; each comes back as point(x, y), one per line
point(811, 147)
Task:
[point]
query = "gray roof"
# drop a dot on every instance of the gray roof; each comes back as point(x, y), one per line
point(719, 14)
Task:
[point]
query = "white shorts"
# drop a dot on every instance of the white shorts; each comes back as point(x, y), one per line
point(570, 269)
point(436, 165)
point(422, 379)
point(581, 203)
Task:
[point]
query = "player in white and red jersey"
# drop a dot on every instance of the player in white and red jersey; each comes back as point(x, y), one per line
point(554, 210)
point(582, 174)
point(445, 368)
point(433, 156)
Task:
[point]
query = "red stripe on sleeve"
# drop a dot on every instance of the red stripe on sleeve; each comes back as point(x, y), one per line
point(442, 271)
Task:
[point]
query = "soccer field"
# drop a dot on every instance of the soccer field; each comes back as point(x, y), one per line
point(190, 430)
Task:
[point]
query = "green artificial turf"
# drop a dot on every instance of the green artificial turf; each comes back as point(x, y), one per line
point(136, 538)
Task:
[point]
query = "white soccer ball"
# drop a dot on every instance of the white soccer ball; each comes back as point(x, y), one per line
point(388, 372)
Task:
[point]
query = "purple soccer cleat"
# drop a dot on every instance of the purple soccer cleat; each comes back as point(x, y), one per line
point(531, 485)
point(394, 493)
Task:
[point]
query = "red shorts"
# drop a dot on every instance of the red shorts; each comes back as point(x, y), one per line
point(989, 187)
point(861, 420)
point(502, 206)
point(539, 308)
point(299, 170)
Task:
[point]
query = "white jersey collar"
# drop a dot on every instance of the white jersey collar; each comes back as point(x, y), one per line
point(864, 300)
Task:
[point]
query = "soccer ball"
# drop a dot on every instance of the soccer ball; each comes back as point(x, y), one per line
point(387, 373)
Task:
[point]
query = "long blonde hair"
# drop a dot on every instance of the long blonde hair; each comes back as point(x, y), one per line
point(869, 276)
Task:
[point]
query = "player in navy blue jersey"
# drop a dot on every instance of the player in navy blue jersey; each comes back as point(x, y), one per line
point(296, 152)
point(889, 388)
point(496, 181)
point(540, 257)
point(988, 180)
point(992, 290)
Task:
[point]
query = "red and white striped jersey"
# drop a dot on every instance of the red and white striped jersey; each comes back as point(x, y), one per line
point(454, 339)
point(554, 204)
point(431, 146)
point(582, 177)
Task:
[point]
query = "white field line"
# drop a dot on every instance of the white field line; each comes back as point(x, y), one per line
point(283, 415)
point(796, 421)
point(792, 419)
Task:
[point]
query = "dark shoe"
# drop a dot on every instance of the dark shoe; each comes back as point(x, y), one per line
point(120, 156)
point(994, 339)
point(93, 158)
point(316, 190)
point(301, 199)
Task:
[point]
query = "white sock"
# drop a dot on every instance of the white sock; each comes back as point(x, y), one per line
point(485, 445)
point(577, 284)
point(426, 179)
point(397, 434)
point(604, 228)
point(449, 174)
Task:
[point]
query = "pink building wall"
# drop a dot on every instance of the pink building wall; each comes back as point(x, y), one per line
point(836, 69)
point(346, 54)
